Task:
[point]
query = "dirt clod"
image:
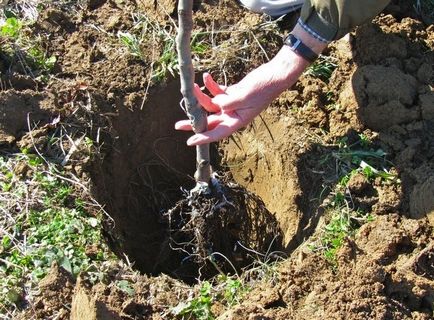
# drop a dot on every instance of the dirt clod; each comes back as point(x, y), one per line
point(422, 200)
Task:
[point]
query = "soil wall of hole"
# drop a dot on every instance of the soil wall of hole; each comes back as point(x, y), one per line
point(142, 172)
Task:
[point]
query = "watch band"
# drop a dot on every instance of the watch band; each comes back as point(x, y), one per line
point(299, 47)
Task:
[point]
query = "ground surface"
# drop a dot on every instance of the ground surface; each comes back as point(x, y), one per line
point(359, 140)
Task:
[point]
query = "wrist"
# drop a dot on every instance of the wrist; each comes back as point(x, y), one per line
point(296, 45)
point(308, 40)
point(288, 66)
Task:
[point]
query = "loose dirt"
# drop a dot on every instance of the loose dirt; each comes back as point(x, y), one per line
point(382, 87)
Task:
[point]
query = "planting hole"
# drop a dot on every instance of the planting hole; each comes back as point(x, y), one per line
point(141, 177)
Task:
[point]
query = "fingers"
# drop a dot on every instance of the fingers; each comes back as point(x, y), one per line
point(221, 100)
point(221, 131)
point(210, 136)
point(204, 100)
point(213, 87)
point(185, 125)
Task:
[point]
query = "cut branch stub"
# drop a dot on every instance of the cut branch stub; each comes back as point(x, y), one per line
point(195, 113)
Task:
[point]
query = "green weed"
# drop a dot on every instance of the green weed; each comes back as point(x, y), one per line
point(361, 157)
point(225, 289)
point(343, 224)
point(198, 308)
point(167, 63)
point(344, 221)
point(125, 286)
point(40, 59)
point(132, 43)
point(322, 68)
point(163, 53)
point(350, 160)
point(11, 28)
point(233, 290)
point(26, 48)
point(43, 222)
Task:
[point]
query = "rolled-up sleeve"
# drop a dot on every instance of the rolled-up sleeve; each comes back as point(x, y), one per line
point(329, 20)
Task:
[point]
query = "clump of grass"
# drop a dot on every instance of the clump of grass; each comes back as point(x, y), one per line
point(361, 157)
point(210, 48)
point(165, 59)
point(227, 290)
point(43, 221)
point(132, 43)
point(343, 224)
point(344, 219)
point(198, 307)
point(233, 290)
point(322, 68)
point(11, 28)
point(24, 48)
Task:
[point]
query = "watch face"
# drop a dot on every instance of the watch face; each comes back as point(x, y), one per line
point(293, 42)
point(297, 46)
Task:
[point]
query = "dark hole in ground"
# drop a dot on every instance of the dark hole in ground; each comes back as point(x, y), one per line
point(140, 178)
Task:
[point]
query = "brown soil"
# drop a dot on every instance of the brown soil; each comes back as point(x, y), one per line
point(384, 88)
point(377, 279)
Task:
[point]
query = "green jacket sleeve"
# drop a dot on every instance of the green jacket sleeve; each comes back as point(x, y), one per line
point(329, 20)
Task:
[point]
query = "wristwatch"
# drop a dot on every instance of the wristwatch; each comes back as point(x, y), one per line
point(300, 48)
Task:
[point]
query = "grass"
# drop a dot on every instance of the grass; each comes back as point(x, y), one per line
point(228, 290)
point(225, 289)
point(322, 68)
point(344, 218)
point(23, 48)
point(132, 43)
point(11, 28)
point(343, 224)
point(43, 221)
point(164, 56)
point(199, 307)
point(361, 157)
point(211, 49)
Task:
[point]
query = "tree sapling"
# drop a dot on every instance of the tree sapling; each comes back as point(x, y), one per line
point(195, 113)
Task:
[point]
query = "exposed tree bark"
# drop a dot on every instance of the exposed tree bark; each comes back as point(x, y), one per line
point(196, 114)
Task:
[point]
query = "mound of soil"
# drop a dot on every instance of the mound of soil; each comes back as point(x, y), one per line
point(382, 87)
point(378, 279)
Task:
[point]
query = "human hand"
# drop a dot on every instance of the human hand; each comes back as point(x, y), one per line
point(233, 107)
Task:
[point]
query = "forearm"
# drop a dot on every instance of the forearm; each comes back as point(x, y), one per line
point(235, 106)
point(280, 73)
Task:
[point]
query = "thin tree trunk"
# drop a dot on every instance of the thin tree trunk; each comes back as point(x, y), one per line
point(195, 113)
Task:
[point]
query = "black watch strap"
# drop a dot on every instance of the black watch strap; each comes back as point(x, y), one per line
point(299, 47)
